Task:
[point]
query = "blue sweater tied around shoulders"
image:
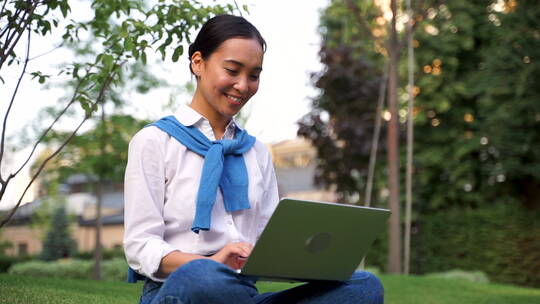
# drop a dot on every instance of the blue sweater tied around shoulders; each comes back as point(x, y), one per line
point(223, 167)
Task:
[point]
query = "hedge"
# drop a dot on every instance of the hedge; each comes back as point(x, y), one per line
point(112, 270)
point(502, 241)
point(7, 261)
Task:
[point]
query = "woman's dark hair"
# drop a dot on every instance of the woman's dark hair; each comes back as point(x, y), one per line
point(219, 29)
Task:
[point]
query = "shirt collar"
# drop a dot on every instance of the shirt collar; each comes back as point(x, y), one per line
point(189, 117)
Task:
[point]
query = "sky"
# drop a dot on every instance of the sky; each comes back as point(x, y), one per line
point(290, 29)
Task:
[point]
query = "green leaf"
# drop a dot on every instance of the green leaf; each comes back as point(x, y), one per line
point(64, 7)
point(128, 44)
point(143, 57)
point(107, 61)
point(167, 41)
point(161, 49)
point(177, 53)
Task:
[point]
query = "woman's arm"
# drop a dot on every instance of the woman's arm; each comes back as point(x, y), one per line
point(173, 260)
point(233, 255)
point(144, 197)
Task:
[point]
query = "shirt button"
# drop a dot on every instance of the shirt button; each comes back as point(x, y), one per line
point(229, 222)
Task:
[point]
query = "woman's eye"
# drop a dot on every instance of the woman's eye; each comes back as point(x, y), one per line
point(254, 77)
point(231, 71)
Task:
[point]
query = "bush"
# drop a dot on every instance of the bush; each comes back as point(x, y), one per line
point(108, 254)
point(502, 241)
point(7, 261)
point(471, 276)
point(113, 270)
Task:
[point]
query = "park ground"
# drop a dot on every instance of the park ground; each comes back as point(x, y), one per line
point(16, 289)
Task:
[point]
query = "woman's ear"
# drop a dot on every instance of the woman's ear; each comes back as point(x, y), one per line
point(196, 63)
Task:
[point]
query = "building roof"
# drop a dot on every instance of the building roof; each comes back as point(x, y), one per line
point(75, 204)
point(115, 219)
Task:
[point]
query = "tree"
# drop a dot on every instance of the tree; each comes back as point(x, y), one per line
point(477, 121)
point(101, 155)
point(84, 156)
point(126, 30)
point(476, 114)
point(357, 44)
point(58, 242)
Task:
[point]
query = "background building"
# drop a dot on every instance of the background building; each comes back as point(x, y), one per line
point(294, 162)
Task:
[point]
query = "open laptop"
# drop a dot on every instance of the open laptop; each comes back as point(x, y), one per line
point(310, 241)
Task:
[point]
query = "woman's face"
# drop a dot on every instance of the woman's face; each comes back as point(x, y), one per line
point(228, 78)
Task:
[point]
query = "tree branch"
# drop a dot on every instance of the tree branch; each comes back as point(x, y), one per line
point(3, 7)
point(73, 99)
point(8, 217)
point(376, 132)
point(99, 99)
point(48, 52)
point(8, 28)
point(8, 40)
point(238, 8)
point(2, 140)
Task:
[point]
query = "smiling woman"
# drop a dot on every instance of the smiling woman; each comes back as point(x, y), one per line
point(226, 58)
point(226, 80)
point(199, 189)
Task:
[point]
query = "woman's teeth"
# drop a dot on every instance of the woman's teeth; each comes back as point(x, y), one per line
point(235, 99)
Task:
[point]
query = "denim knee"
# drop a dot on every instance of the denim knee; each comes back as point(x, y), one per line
point(367, 286)
point(203, 275)
point(202, 270)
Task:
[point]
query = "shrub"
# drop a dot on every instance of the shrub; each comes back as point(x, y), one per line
point(113, 270)
point(471, 276)
point(8, 261)
point(501, 240)
point(108, 254)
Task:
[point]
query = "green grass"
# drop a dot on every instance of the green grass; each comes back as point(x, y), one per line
point(399, 290)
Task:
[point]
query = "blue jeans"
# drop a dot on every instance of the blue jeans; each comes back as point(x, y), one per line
point(207, 281)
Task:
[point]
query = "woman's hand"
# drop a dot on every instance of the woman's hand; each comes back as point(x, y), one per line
point(233, 255)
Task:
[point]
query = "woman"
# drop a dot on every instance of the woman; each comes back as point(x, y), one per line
point(199, 190)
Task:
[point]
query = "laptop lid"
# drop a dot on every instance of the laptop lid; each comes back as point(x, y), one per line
point(306, 241)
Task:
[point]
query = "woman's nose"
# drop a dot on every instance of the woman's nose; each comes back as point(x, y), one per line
point(241, 85)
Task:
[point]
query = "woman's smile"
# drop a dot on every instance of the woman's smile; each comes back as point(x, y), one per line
point(234, 99)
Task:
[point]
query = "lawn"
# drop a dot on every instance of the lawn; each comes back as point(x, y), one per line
point(399, 290)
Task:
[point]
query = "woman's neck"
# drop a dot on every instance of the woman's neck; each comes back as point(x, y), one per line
point(217, 121)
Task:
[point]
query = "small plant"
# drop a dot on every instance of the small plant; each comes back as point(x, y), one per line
point(58, 243)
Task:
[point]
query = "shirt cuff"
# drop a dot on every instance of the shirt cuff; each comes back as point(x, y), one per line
point(149, 265)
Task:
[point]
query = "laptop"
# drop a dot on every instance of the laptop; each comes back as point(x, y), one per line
point(310, 241)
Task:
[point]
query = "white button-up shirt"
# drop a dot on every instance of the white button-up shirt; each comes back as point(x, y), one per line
point(161, 183)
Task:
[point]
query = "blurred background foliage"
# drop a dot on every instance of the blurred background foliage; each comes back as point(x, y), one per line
point(477, 129)
point(476, 117)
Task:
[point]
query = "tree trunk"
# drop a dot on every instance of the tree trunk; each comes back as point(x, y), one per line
point(410, 135)
point(97, 247)
point(394, 246)
point(100, 190)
